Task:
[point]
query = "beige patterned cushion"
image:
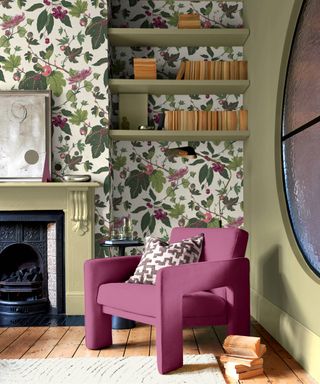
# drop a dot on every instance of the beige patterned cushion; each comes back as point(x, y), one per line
point(158, 254)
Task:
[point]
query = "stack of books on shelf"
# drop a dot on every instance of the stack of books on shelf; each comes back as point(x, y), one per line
point(144, 69)
point(213, 70)
point(243, 358)
point(180, 120)
point(189, 21)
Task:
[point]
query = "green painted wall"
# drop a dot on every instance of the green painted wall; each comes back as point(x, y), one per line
point(285, 294)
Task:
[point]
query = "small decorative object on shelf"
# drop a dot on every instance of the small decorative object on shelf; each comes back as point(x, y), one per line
point(77, 178)
point(146, 128)
point(189, 21)
point(144, 69)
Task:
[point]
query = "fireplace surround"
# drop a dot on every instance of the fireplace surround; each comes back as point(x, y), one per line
point(31, 263)
point(76, 201)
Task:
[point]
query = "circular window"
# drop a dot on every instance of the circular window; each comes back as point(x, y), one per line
point(301, 134)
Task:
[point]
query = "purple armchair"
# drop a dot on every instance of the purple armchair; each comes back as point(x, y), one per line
point(214, 291)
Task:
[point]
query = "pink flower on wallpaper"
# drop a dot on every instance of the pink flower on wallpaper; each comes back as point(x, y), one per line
point(178, 174)
point(235, 223)
point(13, 22)
point(159, 214)
point(59, 12)
point(217, 167)
point(207, 217)
point(148, 169)
point(46, 70)
point(80, 76)
point(59, 121)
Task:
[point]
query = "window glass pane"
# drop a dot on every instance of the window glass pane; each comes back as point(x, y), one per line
point(302, 96)
point(302, 183)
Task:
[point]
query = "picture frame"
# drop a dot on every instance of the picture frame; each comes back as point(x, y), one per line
point(25, 135)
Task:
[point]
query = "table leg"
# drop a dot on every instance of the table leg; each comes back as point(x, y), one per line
point(120, 323)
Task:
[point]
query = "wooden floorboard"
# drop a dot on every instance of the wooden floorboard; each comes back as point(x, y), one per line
point(47, 342)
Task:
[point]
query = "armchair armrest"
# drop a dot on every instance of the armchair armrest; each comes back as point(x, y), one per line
point(97, 272)
point(187, 278)
point(173, 282)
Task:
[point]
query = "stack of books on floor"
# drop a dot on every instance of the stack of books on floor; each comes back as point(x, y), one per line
point(213, 70)
point(180, 120)
point(189, 21)
point(243, 358)
point(144, 69)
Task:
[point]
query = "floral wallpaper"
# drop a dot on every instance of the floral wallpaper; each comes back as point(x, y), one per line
point(160, 192)
point(164, 14)
point(62, 46)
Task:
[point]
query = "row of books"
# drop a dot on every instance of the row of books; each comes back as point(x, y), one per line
point(180, 120)
point(243, 358)
point(213, 70)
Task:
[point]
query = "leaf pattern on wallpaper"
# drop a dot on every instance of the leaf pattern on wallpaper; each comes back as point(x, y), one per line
point(161, 192)
point(165, 14)
point(62, 46)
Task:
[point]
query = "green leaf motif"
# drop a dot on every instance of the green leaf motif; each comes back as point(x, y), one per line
point(98, 139)
point(21, 3)
point(42, 20)
point(22, 31)
point(119, 162)
point(139, 209)
point(73, 162)
point(34, 7)
point(11, 63)
point(100, 62)
point(56, 82)
point(33, 80)
point(97, 29)
point(66, 129)
point(146, 218)
point(4, 42)
point(66, 21)
point(79, 117)
point(203, 173)
point(107, 185)
point(157, 181)
point(177, 211)
point(71, 97)
point(50, 24)
point(137, 182)
point(78, 8)
point(1, 76)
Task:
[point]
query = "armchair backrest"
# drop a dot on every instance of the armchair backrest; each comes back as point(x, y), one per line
point(219, 243)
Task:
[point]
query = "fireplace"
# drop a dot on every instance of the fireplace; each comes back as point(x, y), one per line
point(31, 263)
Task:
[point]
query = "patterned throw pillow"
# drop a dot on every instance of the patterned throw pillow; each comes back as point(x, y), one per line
point(159, 254)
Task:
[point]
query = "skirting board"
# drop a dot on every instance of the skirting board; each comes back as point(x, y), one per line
point(74, 303)
point(299, 341)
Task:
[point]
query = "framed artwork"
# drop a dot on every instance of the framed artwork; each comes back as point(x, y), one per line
point(25, 135)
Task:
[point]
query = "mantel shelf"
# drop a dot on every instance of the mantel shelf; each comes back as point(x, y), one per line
point(31, 184)
point(137, 135)
point(178, 87)
point(226, 37)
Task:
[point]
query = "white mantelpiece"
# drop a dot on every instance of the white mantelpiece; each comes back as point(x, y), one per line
point(76, 200)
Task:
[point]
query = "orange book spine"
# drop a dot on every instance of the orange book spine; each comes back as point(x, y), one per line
point(226, 70)
point(243, 70)
point(243, 120)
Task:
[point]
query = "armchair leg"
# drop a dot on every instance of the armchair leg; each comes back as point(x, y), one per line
point(98, 329)
point(169, 343)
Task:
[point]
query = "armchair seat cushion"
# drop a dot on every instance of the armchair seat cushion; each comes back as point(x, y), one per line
point(141, 299)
